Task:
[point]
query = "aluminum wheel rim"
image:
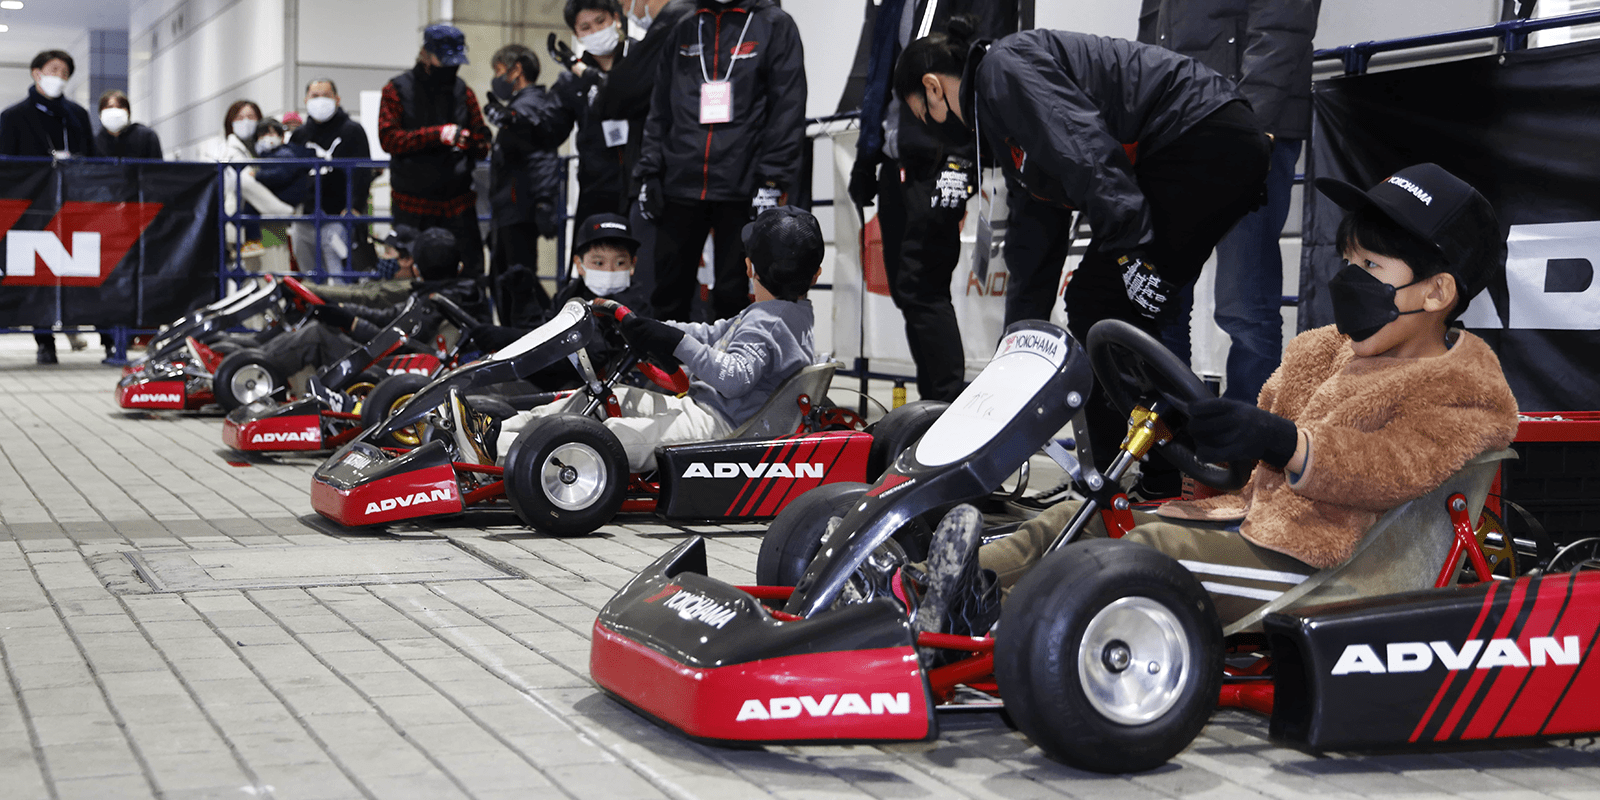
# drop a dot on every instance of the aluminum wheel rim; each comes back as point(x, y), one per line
point(1133, 660)
point(250, 383)
point(573, 476)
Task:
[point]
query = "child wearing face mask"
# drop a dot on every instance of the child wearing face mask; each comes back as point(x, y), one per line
point(1361, 416)
point(119, 137)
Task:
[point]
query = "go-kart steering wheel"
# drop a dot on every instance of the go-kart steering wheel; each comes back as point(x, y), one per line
point(674, 380)
point(1136, 369)
point(301, 293)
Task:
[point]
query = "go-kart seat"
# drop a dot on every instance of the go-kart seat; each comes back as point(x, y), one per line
point(781, 415)
point(1403, 551)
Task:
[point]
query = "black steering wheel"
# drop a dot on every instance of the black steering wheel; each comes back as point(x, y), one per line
point(669, 376)
point(1136, 369)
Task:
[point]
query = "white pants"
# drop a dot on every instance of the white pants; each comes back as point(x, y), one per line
point(649, 419)
point(335, 245)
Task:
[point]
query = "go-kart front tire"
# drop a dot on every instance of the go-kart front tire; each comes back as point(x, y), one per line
point(794, 538)
point(1109, 656)
point(898, 430)
point(246, 376)
point(565, 475)
point(384, 398)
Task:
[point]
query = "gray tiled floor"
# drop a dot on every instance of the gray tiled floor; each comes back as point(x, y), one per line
point(470, 688)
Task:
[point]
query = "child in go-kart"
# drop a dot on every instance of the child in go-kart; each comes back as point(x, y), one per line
point(1362, 416)
point(733, 364)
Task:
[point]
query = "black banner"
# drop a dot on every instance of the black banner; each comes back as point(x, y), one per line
point(105, 243)
point(1522, 128)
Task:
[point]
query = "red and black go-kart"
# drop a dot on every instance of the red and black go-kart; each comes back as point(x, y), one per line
point(566, 474)
point(1108, 654)
point(330, 413)
point(178, 366)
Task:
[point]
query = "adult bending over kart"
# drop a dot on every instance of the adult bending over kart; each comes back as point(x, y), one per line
point(1161, 154)
point(1361, 417)
point(340, 328)
point(733, 364)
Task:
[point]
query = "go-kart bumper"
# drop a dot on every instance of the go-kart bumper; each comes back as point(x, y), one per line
point(708, 659)
point(266, 426)
point(364, 485)
point(138, 391)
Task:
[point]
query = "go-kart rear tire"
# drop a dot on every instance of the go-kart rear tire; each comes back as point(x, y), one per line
point(385, 397)
point(795, 535)
point(1074, 656)
point(898, 430)
point(245, 376)
point(565, 475)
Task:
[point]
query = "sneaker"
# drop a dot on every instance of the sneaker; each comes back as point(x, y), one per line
point(462, 425)
point(76, 340)
point(47, 353)
point(1048, 497)
point(958, 596)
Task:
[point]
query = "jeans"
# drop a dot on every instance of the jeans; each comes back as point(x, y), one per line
point(335, 245)
point(1250, 282)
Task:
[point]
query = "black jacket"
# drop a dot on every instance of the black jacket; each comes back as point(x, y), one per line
point(631, 81)
point(1056, 109)
point(525, 172)
point(464, 292)
point(599, 166)
point(1262, 45)
point(135, 141)
point(763, 142)
point(39, 126)
point(435, 172)
point(338, 137)
point(288, 181)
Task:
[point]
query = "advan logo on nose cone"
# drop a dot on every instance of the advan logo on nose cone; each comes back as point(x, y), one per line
point(406, 501)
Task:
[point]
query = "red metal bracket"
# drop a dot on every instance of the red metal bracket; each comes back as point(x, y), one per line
point(1464, 541)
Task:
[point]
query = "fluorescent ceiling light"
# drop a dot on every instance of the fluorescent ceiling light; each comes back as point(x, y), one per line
point(4, 28)
point(11, 5)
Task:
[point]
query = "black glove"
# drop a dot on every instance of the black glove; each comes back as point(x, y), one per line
point(1230, 430)
point(546, 220)
point(864, 179)
point(651, 202)
point(561, 52)
point(496, 112)
point(1147, 289)
point(658, 339)
point(767, 195)
point(332, 315)
point(955, 184)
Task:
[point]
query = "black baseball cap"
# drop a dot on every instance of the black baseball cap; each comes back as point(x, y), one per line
point(445, 42)
point(785, 246)
point(1440, 209)
point(401, 238)
point(603, 226)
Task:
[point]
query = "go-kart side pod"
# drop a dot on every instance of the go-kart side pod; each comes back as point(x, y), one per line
point(1502, 660)
point(133, 391)
point(707, 659)
point(361, 485)
point(753, 478)
point(266, 426)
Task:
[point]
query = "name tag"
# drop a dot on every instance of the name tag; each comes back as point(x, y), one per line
point(615, 131)
point(716, 102)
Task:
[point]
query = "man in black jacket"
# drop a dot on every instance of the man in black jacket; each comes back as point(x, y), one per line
point(119, 136)
point(331, 134)
point(722, 143)
point(430, 125)
point(525, 175)
point(46, 123)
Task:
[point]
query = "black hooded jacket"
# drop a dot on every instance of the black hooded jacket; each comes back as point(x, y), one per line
point(763, 141)
point(135, 141)
point(1060, 111)
point(338, 137)
point(525, 172)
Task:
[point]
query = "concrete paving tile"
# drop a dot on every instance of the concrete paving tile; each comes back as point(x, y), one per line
point(422, 786)
point(95, 759)
point(588, 782)
point(67, 700)
point(123, 787)
point(64, 729)
point(176, 772)
point(492, 771)
point(159, 733)
point(322, 781)
point(438, 731)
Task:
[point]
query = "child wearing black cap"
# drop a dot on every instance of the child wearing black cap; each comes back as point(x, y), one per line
point(733, 364)
point(1361, 417)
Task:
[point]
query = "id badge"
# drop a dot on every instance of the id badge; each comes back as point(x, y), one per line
point(615, 131)
point(716, 102)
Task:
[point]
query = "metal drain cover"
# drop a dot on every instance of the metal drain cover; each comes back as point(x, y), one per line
point(311, 565)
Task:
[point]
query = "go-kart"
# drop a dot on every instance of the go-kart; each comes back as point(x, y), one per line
point(566, 474)
point(1108, 655)
point(178, 366)
point(330, 412)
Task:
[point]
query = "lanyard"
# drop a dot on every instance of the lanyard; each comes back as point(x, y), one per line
point(700, 40)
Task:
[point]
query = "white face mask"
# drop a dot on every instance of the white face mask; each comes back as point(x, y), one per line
point(267, 144)
point(601, 42)
point(244, 129)
point(321, 108)
point(606, 282)
point(114, 119)
point(52, 86)
point(641, 22)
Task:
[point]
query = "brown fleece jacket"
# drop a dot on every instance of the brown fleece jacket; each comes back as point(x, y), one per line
point(1382, 431)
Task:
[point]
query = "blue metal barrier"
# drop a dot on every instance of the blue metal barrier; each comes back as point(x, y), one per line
point(1513, 35)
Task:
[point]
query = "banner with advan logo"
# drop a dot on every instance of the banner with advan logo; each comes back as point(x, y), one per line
point(1522, 128)
point(101, 243)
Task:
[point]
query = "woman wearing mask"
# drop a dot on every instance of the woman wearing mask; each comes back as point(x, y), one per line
point(239, 133)
point(599, 142)
point(119, 137)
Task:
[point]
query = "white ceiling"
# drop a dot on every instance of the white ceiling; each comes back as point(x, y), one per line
point(45, 24)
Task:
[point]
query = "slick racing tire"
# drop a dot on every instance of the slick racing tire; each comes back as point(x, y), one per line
point(246, 376)
point(898, 430)
point(384, 398)
point(1109, 656)
point(565, 475)
point(794, 538)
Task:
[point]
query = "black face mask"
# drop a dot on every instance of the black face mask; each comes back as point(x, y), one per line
point(952, 130)
point(1362, 304)
point(502, 87)
point(443, 74)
